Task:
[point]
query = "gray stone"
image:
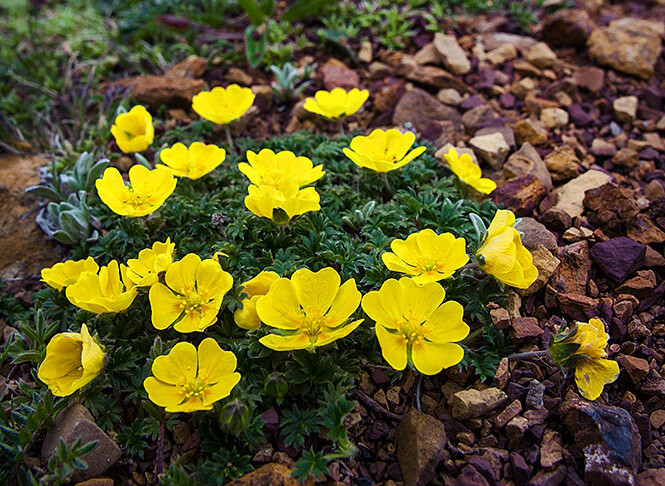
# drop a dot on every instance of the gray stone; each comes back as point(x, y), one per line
point(492, 148)
point(535, 234)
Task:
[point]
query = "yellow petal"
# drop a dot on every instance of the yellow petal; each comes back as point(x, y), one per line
point(592, 374)
point(181, 276)
point(385, 306)
point(164, 305)
point(221, 389)
point(393, 347)
point(445, 324)
point(345, 303)
point(214, 363)
point(431, 358)
point(162, 394)
point(315, 291)
point(420, 301)
point(328, 337)
point(285, 343)
point(279, 307)
point(179, 367)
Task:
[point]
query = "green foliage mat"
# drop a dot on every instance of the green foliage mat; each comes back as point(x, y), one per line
point(361, 214)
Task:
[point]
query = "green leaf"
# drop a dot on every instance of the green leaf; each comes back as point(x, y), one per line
point(255, 13)
point(302, 8)
point(255, 49)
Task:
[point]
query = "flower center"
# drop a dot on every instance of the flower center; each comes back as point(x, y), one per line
point(411, 331)
point(193, 389)
point(137, 200)
point(313, 322)
point(191, 302)
point(427, 264)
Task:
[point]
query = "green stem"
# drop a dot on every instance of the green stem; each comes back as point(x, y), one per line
point(418, 385)
point(229, 138)
point(340, 124)
point(529, 354)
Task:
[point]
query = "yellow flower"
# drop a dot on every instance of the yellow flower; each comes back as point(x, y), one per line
point(66, 273)
point(584, 348)
point(268, 168)
point(144, 270)
point(247, 318)
point(383, 151)
point(426, 256)
point(468, 172)
point(147, 191)
point(133, 131)
point(223, 105)
point(192, 295)
point(503, 255)
point(193, 162)
point(104, 291)
point(72, 361)
point(309, 310)
point(187, 380)
point(280, 205)
point(337, 103)
point(415, 326)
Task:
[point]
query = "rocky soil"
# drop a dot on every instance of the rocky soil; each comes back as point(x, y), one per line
point(569, 122)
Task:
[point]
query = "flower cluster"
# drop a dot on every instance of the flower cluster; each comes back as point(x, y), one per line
point(277, 179)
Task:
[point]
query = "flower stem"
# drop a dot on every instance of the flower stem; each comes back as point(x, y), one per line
point(389, 188)
point(229, 138)
point(528, 354)
point(340, 124)
point(418, 385)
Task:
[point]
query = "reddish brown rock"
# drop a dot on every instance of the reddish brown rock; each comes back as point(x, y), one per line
point(573, 272)
point(520, 194)
point(637, 368)
point(509, 413)
point(643, 230)
point(578, 306)
point(160, 90)
point(638, 286)
point(562, 163)
point(567, 28)
point(425, 112)
point(609, 207)
point(339, 76)
point(589, 77)
point(525, 327)
point(191, 67)
point(651, 477)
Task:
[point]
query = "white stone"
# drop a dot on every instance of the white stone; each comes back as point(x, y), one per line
point(449, 96)
point(554, 117)
point(501, 54)
point(571, 194)
point(625, 108)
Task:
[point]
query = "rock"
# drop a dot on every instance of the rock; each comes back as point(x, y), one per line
point(503, 53)
point(628, 45)
point(534, 234)
point(651, 477)
point(589, 77)
point(554, 117)
point(535, 395)
point(546, 263)
point(551, 449)
point(541, 56)
point(524, 88)
point(619, 257)
point(339, 76)
point(654, 190)
point(530, 131)
point(160, 90)
point(236, 75)
point(609, 438)
point(449, 96)
point(525, 327)
point(579, 116)
point(492, 148)
point(549, 478)
point(608, 207)
point(75, 422)
point(509, 413)
point(421, 446)
point(527, 161)
point(571, 194)
point(638, 286)
point(626, 157)
point(181, 433)
point(379, 70)
point(577, 306)
point(272, 474)
point(427, 55)
point(497, 39)
point(365, 53)
point(643, 230)
point(573, 273)
point(507, 132)
point(515, 430)
point(432, 76)
point(521, 470)
point(657, 418)
point(603, 148)
point(637, 368)
point(191, 67)
point(474, 403)
point(557, 219)
point(471, 477)
point(452, 55)
point(562, 163)
point(567, 28)
point(97, 482)
point(625, 108)
point(478, 117)
point(520, 194)
point(425, 112)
